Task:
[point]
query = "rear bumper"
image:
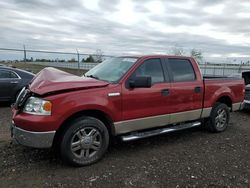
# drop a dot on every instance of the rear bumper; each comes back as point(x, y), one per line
point(32, 139)
point(246, 104)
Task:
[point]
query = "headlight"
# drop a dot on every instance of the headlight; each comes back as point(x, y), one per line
point(37, 106)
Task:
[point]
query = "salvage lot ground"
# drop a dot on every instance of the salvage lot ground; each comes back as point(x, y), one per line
point(192, 158)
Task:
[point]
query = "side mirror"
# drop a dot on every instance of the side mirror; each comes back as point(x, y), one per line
point(140, 82)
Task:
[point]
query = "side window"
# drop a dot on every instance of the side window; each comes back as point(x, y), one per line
point(182, 70)
point(13, 75)
point(152, 68)
point(7, 74)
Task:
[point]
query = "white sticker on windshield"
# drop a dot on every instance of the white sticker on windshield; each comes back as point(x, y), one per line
point(130, 59)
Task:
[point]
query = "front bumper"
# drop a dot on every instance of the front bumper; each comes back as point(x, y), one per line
point(32, 139)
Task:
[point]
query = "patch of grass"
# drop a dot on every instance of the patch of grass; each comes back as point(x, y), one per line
point(36, 68)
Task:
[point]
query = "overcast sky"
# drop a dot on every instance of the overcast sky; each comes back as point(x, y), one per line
point(220, 28)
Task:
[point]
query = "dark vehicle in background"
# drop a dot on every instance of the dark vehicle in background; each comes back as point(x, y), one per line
point(247, 97)
point(12, 80)
point(246, 76)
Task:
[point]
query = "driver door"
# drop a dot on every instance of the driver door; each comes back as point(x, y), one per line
point(147, 107)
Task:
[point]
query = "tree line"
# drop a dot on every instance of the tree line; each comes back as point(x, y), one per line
point(89, 59)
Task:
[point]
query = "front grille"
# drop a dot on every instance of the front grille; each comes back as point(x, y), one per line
point(247, 94)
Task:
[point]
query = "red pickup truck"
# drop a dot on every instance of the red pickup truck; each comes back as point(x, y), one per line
point(128, 97)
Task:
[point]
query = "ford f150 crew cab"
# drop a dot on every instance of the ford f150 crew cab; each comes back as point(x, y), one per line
point(129, 97)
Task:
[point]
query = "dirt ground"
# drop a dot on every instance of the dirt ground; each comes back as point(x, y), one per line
point(190, 158)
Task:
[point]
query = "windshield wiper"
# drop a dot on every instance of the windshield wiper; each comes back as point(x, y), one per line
point(92, 76)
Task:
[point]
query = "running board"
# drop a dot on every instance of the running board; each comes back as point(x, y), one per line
point(139, 135)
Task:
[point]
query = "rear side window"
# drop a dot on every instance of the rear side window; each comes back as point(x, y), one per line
point(182, 70)
point(13, 75)
point(7, 74)
point(152, 68)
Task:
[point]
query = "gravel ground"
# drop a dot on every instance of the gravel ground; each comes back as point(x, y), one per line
point(190, 158)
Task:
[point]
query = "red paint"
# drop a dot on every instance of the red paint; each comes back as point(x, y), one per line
point(70, 94)
point(51, 80)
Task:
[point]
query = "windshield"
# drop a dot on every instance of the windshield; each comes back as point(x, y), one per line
point(112, 70)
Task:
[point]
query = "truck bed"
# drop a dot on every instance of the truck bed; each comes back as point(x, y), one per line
point(229, 86)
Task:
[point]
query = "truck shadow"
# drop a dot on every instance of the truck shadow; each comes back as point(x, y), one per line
point(118, 150)
point(245, 111)
point(5, 104)
point(168, 139)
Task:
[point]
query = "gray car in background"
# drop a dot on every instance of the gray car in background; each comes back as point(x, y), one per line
point(12, 80)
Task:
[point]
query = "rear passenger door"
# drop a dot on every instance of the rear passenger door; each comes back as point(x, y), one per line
point(186, 93)
point(8, 84)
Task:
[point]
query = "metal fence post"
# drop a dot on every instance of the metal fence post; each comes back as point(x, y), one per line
point(224, 69)
point(78, 60)
point(24, 54)
point(205, 71)
point(240, 67)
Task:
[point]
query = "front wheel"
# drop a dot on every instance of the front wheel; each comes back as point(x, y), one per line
point(219, 118)
point(84, 142)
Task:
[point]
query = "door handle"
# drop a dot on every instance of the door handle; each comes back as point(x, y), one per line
point(165, 92)
point(14, 82)
point(197, 89)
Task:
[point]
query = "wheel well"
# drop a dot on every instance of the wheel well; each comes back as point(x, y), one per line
point(225, 100)
point(108, 122)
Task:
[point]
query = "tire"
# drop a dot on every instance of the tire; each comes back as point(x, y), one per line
point(84, 142)
point(219, 118)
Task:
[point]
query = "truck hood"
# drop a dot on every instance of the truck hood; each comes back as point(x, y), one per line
point(50, 80)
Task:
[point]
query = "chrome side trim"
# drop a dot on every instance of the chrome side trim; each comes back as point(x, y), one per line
point(247, 101)
point(236, 106)
point(206, 112)
point(123, 127)
point(17, 75)
point(155, 132)
point(114, 94)
point(33, 139)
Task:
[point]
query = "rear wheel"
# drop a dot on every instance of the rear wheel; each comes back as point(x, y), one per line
point(219, 118)
point(84, 142)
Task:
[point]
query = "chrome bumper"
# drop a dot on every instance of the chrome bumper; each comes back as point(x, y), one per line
point(32, 139)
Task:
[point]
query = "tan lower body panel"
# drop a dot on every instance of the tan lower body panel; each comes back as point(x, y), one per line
point(185, 116)
point(236, 106)
point(141, 123)
point(155, 121)
point(206, 112)
point(162, 120)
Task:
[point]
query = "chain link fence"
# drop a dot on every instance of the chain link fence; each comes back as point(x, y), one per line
point(224, 69)
point(79, 61)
